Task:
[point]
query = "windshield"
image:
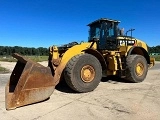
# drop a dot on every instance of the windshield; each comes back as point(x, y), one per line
point(103, 30)
point(94, 32)
point(107, 30)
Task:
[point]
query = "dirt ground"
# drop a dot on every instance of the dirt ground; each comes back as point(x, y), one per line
point(111, 100)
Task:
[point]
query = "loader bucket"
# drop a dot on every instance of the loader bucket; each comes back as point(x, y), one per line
point(30, 82)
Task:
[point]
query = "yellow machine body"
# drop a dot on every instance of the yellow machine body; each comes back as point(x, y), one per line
point(81, 64)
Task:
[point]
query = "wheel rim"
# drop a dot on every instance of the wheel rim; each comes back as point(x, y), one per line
point(139, 69)
point(87, 73)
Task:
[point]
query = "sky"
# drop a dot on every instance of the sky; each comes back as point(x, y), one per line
point(43, 23)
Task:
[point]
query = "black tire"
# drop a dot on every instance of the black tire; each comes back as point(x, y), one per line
point(131, 72)
point(76, 66)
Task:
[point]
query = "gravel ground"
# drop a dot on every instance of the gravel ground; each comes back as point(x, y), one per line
point(112, 100)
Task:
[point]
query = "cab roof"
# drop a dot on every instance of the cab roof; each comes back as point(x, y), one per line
point(103, 19)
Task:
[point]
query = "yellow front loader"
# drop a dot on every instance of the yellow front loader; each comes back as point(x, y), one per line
point(108, 52)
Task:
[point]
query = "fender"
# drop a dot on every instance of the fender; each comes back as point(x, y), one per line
point(140, 51)
point(77, 49)
point(99, 56)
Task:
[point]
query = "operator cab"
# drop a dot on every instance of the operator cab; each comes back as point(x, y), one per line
point(104, 32)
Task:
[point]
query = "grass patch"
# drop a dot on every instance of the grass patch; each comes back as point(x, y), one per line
point(38, 58)
point(157, 57)
point(3, 70)
point(9, 59)
point(34, 58)
point(45, 58)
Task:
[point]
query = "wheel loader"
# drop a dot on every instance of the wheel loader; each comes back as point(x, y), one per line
point(108, 51)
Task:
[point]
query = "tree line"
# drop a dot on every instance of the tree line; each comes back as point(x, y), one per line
point(41, 51)
point(7, 50)
point(154, 49)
